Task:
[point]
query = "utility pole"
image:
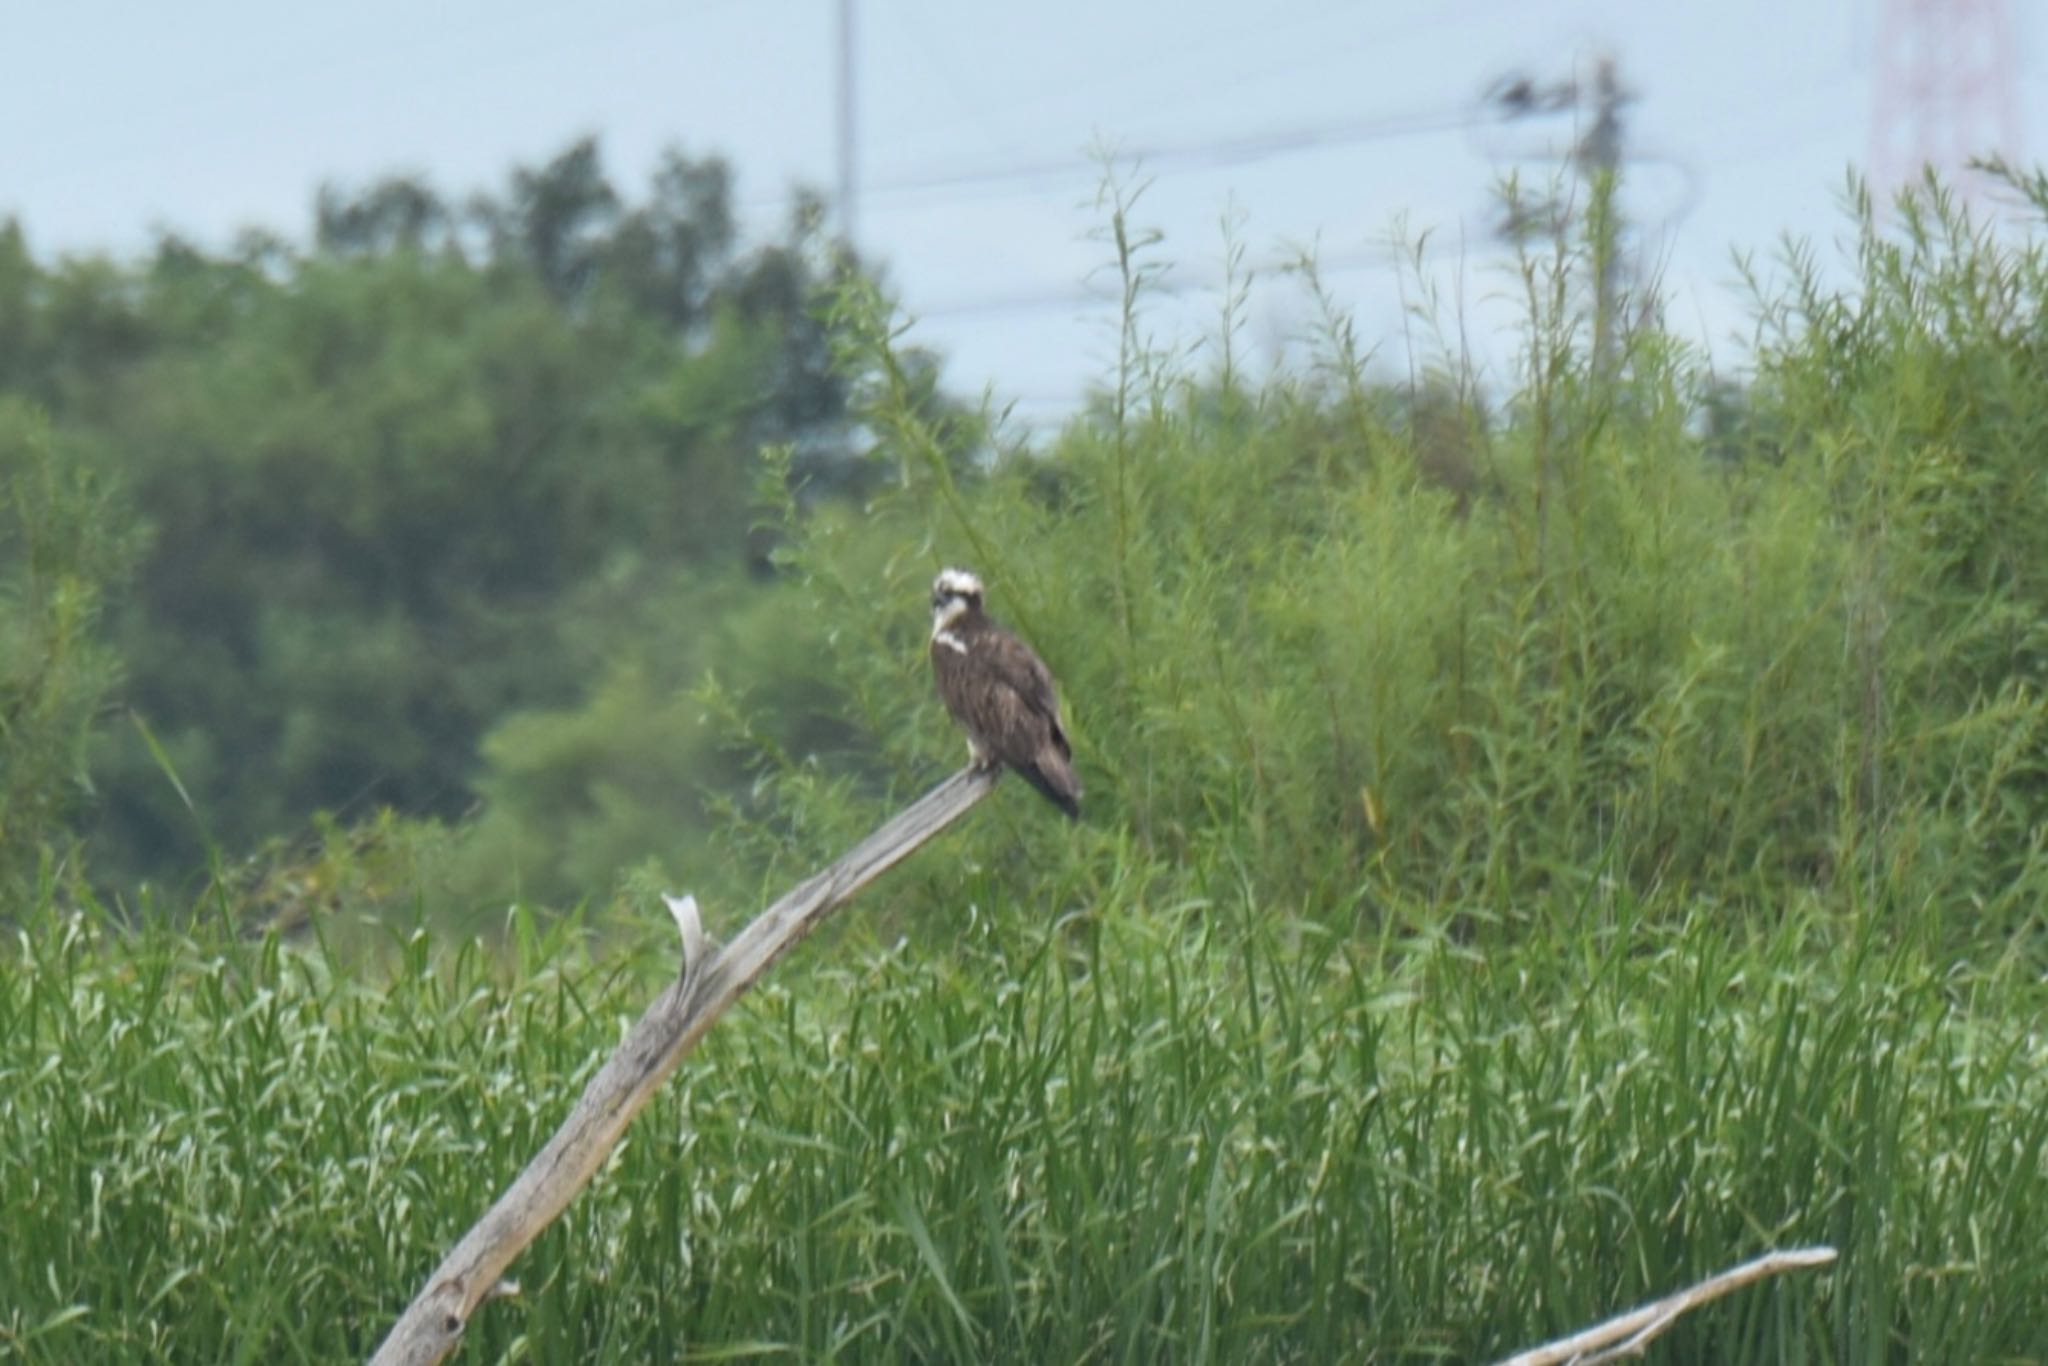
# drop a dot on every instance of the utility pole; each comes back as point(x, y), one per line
point(1597, 156)
point(849, 142)
point(1945, 92)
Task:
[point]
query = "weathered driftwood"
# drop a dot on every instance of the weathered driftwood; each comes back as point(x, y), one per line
point(1631, 1332)
point(433, 1323)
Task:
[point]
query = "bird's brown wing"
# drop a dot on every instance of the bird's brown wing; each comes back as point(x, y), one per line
point(1023, 712)
point(1020, 719)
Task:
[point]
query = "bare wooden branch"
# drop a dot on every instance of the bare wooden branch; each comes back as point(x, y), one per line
point(433, 1323)
point(1633, 1331)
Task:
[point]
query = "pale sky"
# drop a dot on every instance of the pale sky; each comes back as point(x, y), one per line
point(1311, 122)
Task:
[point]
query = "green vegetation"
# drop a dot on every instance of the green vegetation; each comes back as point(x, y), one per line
point(1542, 846)
point(1198, 1133)
point(418, 499)
point(60, 549)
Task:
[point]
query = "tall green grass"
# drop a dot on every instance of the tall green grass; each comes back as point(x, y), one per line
point(1192, 1133)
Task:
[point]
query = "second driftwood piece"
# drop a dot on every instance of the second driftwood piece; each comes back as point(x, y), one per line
point(432, 1325)
point(1631, 1332)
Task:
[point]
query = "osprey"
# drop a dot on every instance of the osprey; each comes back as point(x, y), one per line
point(1000, 692)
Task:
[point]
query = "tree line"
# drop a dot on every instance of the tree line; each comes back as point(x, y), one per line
point(387, 519)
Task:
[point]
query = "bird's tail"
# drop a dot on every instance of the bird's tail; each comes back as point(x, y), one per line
point(1053, 776)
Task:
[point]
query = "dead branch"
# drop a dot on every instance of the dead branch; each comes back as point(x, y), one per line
point(1633, 1331)
point(433, 1323)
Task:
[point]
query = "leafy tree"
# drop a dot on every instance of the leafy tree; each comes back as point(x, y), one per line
point(667, 255)
point(65, 543)
point(419, 478)
point(400, 213)
point(557, 220)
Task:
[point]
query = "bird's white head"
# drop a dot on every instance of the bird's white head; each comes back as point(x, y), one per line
point(954, 593)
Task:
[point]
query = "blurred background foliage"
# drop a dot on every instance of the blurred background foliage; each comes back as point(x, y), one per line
point(64, 543)
point(440, 510)
point(556, 540)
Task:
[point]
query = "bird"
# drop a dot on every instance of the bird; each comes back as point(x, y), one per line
point(1000, 692)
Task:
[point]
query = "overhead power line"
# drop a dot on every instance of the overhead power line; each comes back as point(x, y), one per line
point(1182, 156)
point(1081, 296)
point(1195, 155)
